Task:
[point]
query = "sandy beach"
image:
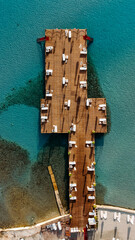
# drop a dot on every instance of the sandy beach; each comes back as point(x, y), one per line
point(107, 228)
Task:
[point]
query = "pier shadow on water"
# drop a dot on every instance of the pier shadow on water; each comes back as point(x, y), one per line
point(30, 94)
point(95, 90)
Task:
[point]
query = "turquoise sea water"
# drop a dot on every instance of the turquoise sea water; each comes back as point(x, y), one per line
point(112, 24)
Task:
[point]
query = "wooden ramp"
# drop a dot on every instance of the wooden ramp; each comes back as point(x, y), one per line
point(66, 109)
point(61, 209)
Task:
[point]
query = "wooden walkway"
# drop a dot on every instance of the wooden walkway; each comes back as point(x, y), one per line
point(61, 209)
point(84, 120)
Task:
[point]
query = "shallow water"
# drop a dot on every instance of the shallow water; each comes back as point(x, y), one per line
point(26, 191)
point(112, 71)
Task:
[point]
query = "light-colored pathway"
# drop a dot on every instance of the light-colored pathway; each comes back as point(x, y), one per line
point(107, 229)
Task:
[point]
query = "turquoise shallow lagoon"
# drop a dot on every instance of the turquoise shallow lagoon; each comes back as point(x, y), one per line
point(112, 65)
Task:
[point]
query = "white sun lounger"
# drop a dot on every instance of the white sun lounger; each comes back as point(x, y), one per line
point(88, 102)
point(93, 213)
point(72, 163)
point(90, 189)
point(83, 84)
point(84, 51)
point(68, 103)
point(91, 197)
point(69, 34)
point(88, 142)
point(103, 214)
point(44, 117)
point(49, 49)
point(73, 198)
point(59, 226)
point(102, 107)
point(83, 68)
point(130, 219)
point(54, 226)
point(72, 142)
point(63, 80)
point(102, 121)
point(48, 94)
point(91, 221)
point(66, 33)
point(73, 185)
point(44, 108)
point(117, 216)
point(90, 169)
point(54, 128)
point(73, 128)
point(63, 57)
point(49, 72)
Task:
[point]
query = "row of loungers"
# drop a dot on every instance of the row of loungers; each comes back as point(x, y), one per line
point(83, 84)
point(100, 106)
point(90, 198)
point(75, 230)
point(117, 216)
point(44, 108)
point(68, 33)
point(74, 198)
point(72, 166)
point(55, 226)
point(73, 143)
point(49, 72)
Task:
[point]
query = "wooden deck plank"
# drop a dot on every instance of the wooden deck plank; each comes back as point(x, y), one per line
point(85, 118)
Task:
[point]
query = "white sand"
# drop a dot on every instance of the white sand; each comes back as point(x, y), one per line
point(106, 228)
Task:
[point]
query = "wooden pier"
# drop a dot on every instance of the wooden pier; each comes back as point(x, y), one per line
point(61, 209)
point(66, 109)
